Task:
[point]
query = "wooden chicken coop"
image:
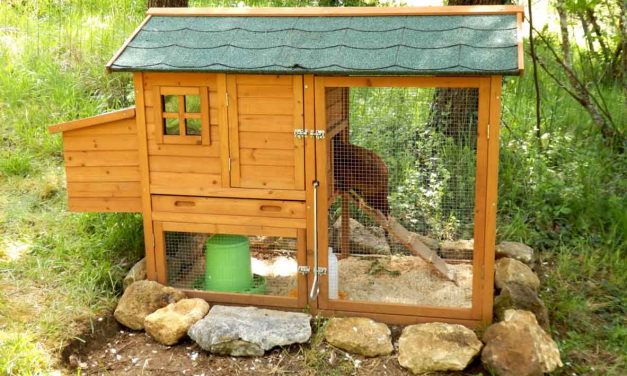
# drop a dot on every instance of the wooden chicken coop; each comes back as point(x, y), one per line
point(342, 160)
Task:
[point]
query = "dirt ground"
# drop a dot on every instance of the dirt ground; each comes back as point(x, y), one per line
point(107, 348)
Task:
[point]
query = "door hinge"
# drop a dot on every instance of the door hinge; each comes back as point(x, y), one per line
point(300, 133)
point(319, 134)
point(303, 269)
point(226, 99)
point(321, 270)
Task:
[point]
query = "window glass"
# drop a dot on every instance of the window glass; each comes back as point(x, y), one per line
point(192, 103)
point(193, 127)
point(170, 103)
point(171, 127)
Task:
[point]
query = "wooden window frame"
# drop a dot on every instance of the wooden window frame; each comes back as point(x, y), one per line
point(160, 115)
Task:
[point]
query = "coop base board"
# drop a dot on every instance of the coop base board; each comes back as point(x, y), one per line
point(292, 305)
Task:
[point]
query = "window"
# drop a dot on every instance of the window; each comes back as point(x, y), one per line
point(184, 115)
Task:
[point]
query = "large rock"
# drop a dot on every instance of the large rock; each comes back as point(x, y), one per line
point(359, 335)
point(141, 299)
point(509, 270)
point(518, 346)
point(517, 296)
point(437, 347)
point(169, 324)
point(459, 249)
point(137, 273)
point(515, 250)
point(362, 239)
point(249, 331)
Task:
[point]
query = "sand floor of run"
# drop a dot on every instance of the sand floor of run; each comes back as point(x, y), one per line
point(403, 280)
point(395, 279)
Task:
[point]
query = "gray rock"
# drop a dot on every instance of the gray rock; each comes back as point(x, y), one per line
point(359, 335)
point(509, 270)
point(137, 273)
point(515, 250)
point(517, 296)
point(169, 324)
point(249, 331)
point(362, 239)
point(518, 346)
point(436, 347)
point(141, 299)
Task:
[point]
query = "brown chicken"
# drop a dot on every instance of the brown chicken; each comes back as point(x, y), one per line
point(360, 170)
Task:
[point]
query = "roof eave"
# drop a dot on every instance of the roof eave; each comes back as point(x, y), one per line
point(338, 11)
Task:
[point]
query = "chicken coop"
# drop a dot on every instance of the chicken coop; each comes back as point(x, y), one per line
point(340, 160)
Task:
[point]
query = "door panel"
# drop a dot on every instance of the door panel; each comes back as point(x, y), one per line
point(263, 113)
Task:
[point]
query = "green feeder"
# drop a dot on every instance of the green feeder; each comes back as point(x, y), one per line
point(227, 264)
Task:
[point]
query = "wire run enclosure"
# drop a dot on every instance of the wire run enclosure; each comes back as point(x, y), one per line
point(408, 171)
point(349, 169)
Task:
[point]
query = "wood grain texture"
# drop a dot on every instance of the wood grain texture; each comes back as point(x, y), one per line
point(126, 113)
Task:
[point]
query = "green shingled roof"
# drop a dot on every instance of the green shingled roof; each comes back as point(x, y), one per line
point(400, 45)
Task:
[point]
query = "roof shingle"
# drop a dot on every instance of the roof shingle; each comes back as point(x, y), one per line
point(402, 45)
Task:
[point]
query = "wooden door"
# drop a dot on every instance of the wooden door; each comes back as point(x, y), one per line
point(263, 112)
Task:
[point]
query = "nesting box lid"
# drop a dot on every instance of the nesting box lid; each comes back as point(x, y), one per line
point(477, 40)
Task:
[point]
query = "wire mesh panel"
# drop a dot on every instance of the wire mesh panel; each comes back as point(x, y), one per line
point(402, 165)
point(264, 265)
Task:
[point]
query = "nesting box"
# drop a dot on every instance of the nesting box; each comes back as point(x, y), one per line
point(365, 139)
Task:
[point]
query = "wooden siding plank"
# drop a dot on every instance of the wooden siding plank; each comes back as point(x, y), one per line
point(104, 189)
point(183, 150)
point(267, 157)
point(265, 106)
point(264, 91)
point(101, 158)
point(126, 126)
point(152, 79)
point(197, 165)
point(268, 140)
point(102, 174)
point(100, 142)
point(263, 79)
point(279, 177)
point(266, 123)
point(185, 180)
point(105, 204)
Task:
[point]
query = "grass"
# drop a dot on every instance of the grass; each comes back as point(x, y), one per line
point(58, 269)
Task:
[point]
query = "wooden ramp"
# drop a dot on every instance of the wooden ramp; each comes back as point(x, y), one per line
point(407, 238)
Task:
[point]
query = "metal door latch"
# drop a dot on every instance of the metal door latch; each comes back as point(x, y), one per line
point(321, 270)
point(319, 134)
point(300, 133)
point(304, 270)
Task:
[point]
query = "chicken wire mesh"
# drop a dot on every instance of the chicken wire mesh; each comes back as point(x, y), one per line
point(402, 167)
point(264, 265)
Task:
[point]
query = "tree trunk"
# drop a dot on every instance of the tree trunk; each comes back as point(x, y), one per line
point(167, 3)
point(454, 111)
